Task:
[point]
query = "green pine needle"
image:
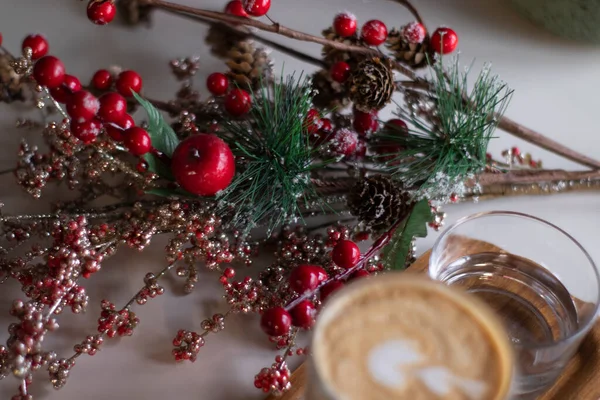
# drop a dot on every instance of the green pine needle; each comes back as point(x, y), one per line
point(437, 158)
point(274, 156)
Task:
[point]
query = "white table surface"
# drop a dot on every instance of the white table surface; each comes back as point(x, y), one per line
point(555, 84)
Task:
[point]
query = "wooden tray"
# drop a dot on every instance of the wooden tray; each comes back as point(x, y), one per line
point(579, 381)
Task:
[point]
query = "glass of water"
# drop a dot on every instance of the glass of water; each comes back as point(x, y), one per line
point(538, 278)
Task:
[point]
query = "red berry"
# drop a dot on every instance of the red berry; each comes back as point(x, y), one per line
point(217, 83)
point(444, 40)
point(340, 71)
point(113, 107)
point(128, 81)
point(1, 39)
point(137, 141)
point(344, 24)
point(82, 106)
point(515, 151)
point(257, 8)
point(330, 288)
point(306, 278)
point(101, 12)
point(345, 254)
point(361, 273)
point(86, 131)
point(38, 45)
point(276, 321)
point(303, 314)
point(49, 71)
point(397, 123)
point(344, 142)
point(365, 123)
point(326, 126)
point(238, 102)
point(117, 133)
point(142, 166)
point(63, 93)
point(102, 79)
point(203, 164)
point(312, 121)
point(414, 32)
point(236, 8)
point(374, 32)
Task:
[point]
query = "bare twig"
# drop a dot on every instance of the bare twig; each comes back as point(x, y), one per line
point(412, 10)
point(535, 176)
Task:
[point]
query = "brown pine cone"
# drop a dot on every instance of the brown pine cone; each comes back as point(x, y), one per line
point(414, 55)
point(372, 84)
point(222, 37)
point(133, 12)
point(11, 88)
point(332, 55)
point(379, 202)
point(330, 94)
point(248, 65)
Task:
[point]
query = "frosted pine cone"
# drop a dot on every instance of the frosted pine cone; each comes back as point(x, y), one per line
point(414, 55)
point(248, 65)
point(133, 12)
point(221, 38)
point(372, 84)
point(379, 202)
point(331, 94)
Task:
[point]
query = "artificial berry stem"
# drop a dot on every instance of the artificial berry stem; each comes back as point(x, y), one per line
point(379, 244)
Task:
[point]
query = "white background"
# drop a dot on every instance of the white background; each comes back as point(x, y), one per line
point(555, 81)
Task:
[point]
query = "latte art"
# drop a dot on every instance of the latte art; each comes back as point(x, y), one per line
point(399, 336)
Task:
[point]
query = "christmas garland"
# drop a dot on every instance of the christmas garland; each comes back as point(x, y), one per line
point(247, 169)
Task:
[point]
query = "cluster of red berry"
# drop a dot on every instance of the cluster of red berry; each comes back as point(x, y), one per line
point(306, 281)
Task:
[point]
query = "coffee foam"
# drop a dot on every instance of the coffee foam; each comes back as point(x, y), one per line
point(363, 349)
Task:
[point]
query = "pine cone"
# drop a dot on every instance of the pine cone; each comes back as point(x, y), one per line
point(222, 37)
point(133, 12)
point(330, 94)
point(10, 82)
point(379, 202)
point(414, 55)
point(332, 55)
point(248, 65)
point(372, 84)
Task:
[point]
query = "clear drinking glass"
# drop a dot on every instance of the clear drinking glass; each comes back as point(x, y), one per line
point(539, 279)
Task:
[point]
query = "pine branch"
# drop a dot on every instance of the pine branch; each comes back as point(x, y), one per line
point(275, 157)
point(439, 154)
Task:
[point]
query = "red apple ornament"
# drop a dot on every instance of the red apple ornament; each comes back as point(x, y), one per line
point(203, 164)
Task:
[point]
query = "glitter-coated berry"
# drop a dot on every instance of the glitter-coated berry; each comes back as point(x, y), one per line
point(306, 278)
point(137, 141)
point(128, 81)
point(414, 32)
point(38, 45)
point(86, 131)
point(257, 8)
point(365, 123)
point(276, 321)
point(312, 121)
point(444, 40)
point(117, 132)
point(238, 102)
point(236, 8)
point(101, 12)
point(102, 79)
point(340, 71)
point(82, 106)
point(374, 32)
point(203, 164)
point(344, 142)
point(49, 71)
point(330, 288)
point(345, 24)
point(303, 314)
point(63, 93)
point(217, 83)
point(113, 107)
point(345, 254)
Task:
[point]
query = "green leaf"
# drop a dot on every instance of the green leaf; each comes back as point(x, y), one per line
point(158, 167)
point(414, 225)
point(162, 135)
point(163, 192)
